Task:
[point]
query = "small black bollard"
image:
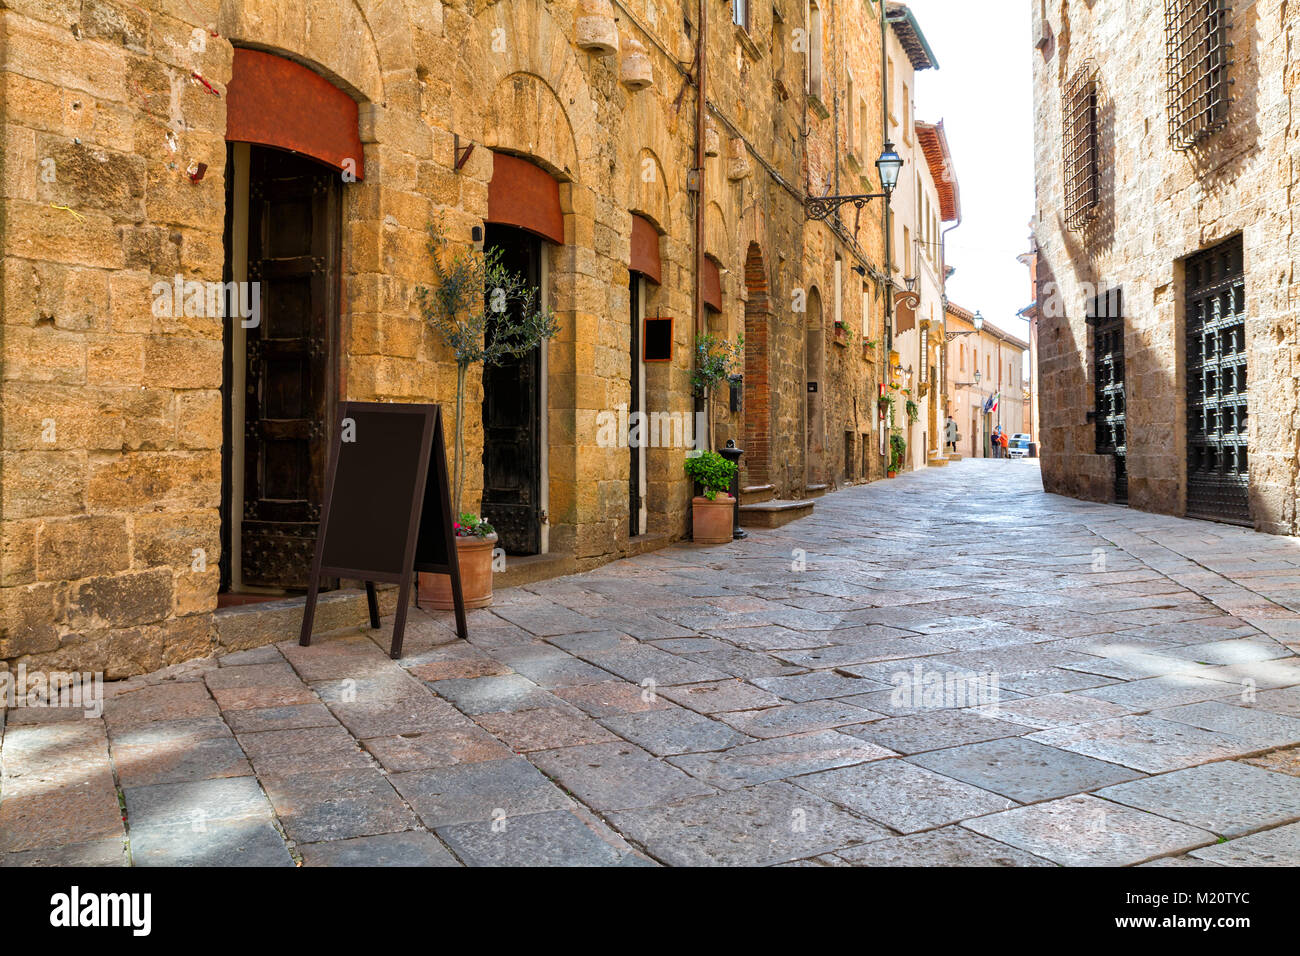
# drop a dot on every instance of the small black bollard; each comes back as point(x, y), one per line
point(733, 455)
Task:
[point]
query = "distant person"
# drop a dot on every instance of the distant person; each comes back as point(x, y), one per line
point(1002, 440)
point(995, 441)
point(950, 435)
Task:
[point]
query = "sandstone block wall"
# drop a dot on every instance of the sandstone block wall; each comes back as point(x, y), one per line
point(1158, 206)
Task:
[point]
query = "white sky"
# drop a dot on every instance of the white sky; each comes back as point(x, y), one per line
point(983, 92)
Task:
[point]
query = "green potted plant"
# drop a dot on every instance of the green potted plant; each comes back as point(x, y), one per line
point(711, 513)
point(897, 452)
point(484, 314)
point(886, 405)
point(716, 360)
point(913, 411)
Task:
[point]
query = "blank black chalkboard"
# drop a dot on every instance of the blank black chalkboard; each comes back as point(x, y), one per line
point(387, 508)
point(658, 340)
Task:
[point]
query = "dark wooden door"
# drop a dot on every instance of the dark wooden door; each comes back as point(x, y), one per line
point(1105, 314)
point(293, 252)
point(1218, 473)
point(512, 418)
point(633, 407)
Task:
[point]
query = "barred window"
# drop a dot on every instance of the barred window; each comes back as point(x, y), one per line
point(1082, 176)
point(1196, 64)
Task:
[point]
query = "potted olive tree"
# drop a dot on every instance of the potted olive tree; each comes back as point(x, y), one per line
point(716, 360)
point(711, 513)
point(485, 314)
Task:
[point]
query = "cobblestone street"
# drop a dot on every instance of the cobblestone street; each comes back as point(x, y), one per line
point(947, 668)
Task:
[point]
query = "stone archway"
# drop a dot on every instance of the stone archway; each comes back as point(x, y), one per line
point(757, 387)
point(814, 404)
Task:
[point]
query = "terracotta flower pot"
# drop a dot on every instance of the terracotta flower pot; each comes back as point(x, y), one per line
point(711, 520)
point(475, 557)
point(891, 474)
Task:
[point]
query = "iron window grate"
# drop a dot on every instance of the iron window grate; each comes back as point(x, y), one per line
point(1082, 175)
point(1196, 66)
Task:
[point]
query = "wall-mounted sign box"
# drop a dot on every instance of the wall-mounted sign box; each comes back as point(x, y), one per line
point(657, 339)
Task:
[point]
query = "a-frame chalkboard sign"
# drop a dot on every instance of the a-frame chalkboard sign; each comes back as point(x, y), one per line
point(387, 508)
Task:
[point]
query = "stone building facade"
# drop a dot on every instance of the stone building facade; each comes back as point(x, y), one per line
point(1165, 241)
point(982, 365)
point(161, 455)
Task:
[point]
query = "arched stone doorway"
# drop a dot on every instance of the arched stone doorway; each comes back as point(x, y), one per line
point(757, 396)
point(292, 144)
point(814, 402)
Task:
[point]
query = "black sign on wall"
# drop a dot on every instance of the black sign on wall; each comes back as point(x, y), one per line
point(387, 508)
point(657, 343)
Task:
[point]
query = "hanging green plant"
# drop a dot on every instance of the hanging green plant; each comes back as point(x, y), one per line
point(913, 411)
point(897, 450)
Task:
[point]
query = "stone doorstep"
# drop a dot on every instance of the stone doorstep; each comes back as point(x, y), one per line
point(815, 491)
point(755, 494)
point(774, 514)
point(245, 626)
point(531, 568)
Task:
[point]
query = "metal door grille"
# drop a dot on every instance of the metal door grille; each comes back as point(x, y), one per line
point(1105, 314)
point(1196, 67)
point(1082, 177)
point(1217, 456)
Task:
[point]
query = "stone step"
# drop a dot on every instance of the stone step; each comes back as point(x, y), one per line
point(953, 456)
point(244, 626)
point(937, 461)
point(774, 514)
point(815, 491)
point(756, 493)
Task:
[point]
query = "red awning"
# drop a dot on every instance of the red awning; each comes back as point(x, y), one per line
point(276, 102)
point(645, 250)
point(525, 196)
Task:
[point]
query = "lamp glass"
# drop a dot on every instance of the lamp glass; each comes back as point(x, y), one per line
point(889, 165)
point(978, 321)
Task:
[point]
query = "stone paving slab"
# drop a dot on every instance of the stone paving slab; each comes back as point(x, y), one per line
point(1022, 769)
point(817, 685)
point(715, 697)
point(1230, 797)
point(477, 792)
point(410, 848)
point(224, 843)
point(674, 731)
point(757, 826)
point(1148, 743)
point(1086, 831)
point(797, 718)
point(902, 796)
point(935, 730)
point(99, 853)
point(1259, 728)
point(781, 757)
point(1279, 847)
point(555, 838)
point(197, 804)
point(617, 776)
point(946, 846)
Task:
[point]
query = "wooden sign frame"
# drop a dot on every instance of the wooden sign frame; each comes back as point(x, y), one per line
point(433, 452)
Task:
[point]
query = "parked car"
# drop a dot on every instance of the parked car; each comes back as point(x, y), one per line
point(1018, 445)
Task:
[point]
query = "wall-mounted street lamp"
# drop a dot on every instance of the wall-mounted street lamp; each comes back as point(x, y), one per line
point(888, 165)
point(978, 322)
point(974, 384)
